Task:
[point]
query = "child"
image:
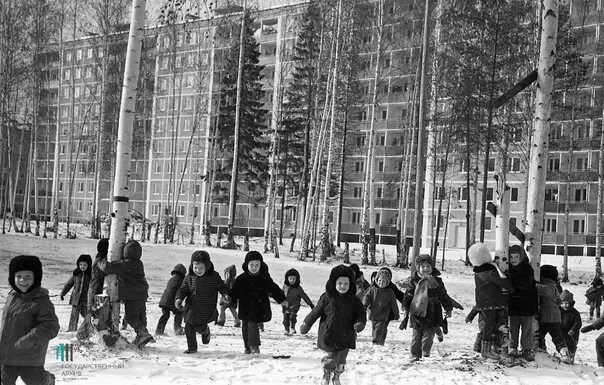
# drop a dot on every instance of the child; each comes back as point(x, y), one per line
point(380, 302)
point(230, 273)
point(571, 322)
point(132, 289)
point(549, 312)
point(490, 300)
point(361, 282)
point(594, 297)
point(167, 302)
point(523, 303)
point(252, 288)
point(79, 281)
point(294, 295)
point(342, 317)
point(424, 298)
point(200, 287)
point(97, 279)
point(29, 322)
point(597, 325)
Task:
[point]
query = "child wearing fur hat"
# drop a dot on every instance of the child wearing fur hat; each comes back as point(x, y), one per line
point(342, 316)
point(380, 302)
point(570, 324)
point(79, 281)
point(549, 312)
point(97, 279)
point(361, 282)
point(594, 297)
point(200, 288)
point(132, 289)
point(523, 303)
point(294, 295)
point(230, 273)
point(424, 300)
point(490, 299)
point(167, 302)
point(29, 322)
point(252, 288)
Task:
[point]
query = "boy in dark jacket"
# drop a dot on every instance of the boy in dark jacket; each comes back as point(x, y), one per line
point(571, 322)
point(132, 289)
point(523, 303)
point(230, 273)
point(380, 302)
point(79, 281)
point(167, 302)
point(29, 322)
point(594, 297)
point(200, 289)
point(342, 316)
point(252, 289)
point(97, 279)
point(425, 298)
point(294, 295)
point(490, 300)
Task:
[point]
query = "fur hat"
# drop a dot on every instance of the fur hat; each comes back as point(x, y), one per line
point(132, 250)
point(25, 262)
point(422, 258)
point(179, 269)
point(337, 272)
point(296, 274)
point(103, 246)
point(253, 256)
point(517, 249)
point(549, 271)
point(479, 254)
point(567, 296)
point(203, 257)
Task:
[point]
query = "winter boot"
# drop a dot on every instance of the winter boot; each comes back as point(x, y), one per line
point(336, 374)
point(205, 337)
point(326, 377)
point(478, 343)
point(487, 352)
point(255, 349)
point(179, 331)
point(237, 323)
point(565, 356)
point(143, 338)
point(528, 355)
point(220, 323)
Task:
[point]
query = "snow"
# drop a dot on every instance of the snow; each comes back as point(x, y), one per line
point(222, 361)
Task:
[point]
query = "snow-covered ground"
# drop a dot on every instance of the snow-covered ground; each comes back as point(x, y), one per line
point(222, 361)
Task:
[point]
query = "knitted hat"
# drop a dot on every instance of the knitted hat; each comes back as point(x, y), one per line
point(25, 262)
point(132, 250)
point(337, 272)
point(479, 254)
point(103, 246)
point(549, 271)
point(567, 296)
point(422, 258)
point(295, 273)
point(179, 269)
point(383, 273)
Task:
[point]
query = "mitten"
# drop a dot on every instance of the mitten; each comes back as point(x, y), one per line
point(312, 306)
point(24, 343)
point(448, 313)
point(468, 319)
point(358, 327)
point(178, 304)
point(587, 328)
point(304, 328)
point(62, 297)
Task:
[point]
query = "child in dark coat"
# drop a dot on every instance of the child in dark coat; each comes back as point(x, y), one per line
point(97, 279)
point(252, 288)
point(200, 288)
point(380, 302)
point(132, 289)
point(230, 273)
point(167, 302)
point(594, 297)
point(294, 295)
point(79, 281)
point(549, 312)
point(597, 325)
point(523, 303)
point(490, 300)
point(29, 322)
point(425, 298)
point(342, 316)
point(571, 322)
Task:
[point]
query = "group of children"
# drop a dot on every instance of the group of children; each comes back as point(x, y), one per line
point(503, 300)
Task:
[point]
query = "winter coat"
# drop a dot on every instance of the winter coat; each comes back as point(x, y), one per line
point(30, 316)
point(524, 300)
point(549, 300)
point(230, 273)
point(488, 288)
point(338, 313)
point(253, 293)
point(201, 293)
point(294, 293)
point(381, 304)
point(169, 295)
point(437, 299)
point(131, 282)
point(98, 278)
point(570, 323)
point(594, 296)
point(79, 281)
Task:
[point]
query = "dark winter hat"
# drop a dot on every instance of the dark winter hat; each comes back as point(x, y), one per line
point(422, 258)
point(25, 262)
point(568, 297)
point(356, 270)
point(597, 282)
point(479, 254)
point(295, 273)
point(103, 246)
point(253, 256)
point(132, 250)
point(201, 256)
point(179, 269)
point(337, 272)
point(517, 249)
point(549, 271)
point(84, 258)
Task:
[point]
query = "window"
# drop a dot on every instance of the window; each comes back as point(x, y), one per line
point(440, 165)
point(62, 149)
point(551, 194)
point(80, 186)
point(181, 211)
point(60, 186)
point(487, 223)
point(463, 194)
point(356, 217)
point(356, 192)
point(363, 115)
point(157, 168)
point(514, 165)
point(67, 75)
point(155, 210)
point(79, 54)
point(89, 53)
point(379, 192)
point(377, 218)
point(384, 114)
point(91, 187)
point(380, 166)
point(553, 164)
point(62, 168)
point(358, 166)
point(215, 212)
point(489, 193)
point(361, 141)
point(491, 166)
point(580, 195)
point(579, 226)
point(514, 194)
point(582, 163)
point(66, 92)
point(68, 57)
point(79, 206)
point(551, 225)
point(382, 140)
point(88, 72)
point(463, 166)
point(155, 189)
point(76, 92)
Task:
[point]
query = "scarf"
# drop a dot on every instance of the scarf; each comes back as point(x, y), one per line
point(419, 303)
